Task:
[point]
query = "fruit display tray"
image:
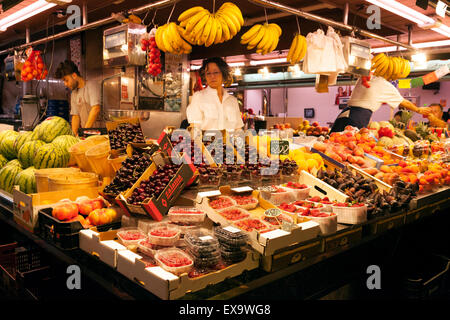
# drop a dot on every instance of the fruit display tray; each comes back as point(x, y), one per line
point(169, 286)
point(64, 235)
point(156, 208)
point(320, 188)
point(268, 242)
point(102, 245)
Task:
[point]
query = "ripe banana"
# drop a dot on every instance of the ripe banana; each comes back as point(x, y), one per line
point(297, 51)
point(201, 27)
point(263, 37)
point(390, 68)
point(168, 39)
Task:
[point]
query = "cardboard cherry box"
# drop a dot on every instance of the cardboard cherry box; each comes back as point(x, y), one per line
point(266, 243)
point(156, 208)
point(169, 286)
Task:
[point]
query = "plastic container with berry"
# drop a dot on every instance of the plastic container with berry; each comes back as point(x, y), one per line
point(247, 202)
point(277, 195)
point(250, 224)
point(278, 221)
point(234, 213)
point(130, 236)
point(327, 220)
point(163, 234)
point(148, 248)
point(300, 190)
point(221, 202)
point(349, 213)
point(325, 201)
point(230, 236)
point(174, 260)
point(187, 215)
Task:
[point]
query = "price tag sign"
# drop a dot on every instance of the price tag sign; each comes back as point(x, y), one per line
point(232, 229)
point(279, 147)
point(206, 238)
point(286, 226)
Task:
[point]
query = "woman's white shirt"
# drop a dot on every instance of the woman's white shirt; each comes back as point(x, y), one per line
point(207, 112)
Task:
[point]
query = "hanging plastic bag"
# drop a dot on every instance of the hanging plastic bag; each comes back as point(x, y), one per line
point(34, 67)
point(320, 56)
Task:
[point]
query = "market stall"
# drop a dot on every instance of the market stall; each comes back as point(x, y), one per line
point(154, 212)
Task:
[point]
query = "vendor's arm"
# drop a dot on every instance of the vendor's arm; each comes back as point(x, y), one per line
point(93, 114)
point(75, 124)
point(406, 104)
point(436, 122)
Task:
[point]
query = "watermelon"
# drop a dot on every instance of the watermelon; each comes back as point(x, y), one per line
point(3, 161)
point(7, 176)
point(7, 145)
point(28, 151)
point(5, 133)
point(14, 162)
point(53, 127)
point(23, 137)
point(26, 180)
point(49, 156)
point(65, 142)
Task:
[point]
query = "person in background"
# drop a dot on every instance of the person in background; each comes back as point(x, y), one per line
point(436, 116)
point(213, 108)
point(398, 116)
point(84, 99)
point(367, 97)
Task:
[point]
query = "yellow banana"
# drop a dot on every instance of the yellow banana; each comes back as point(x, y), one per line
point(233, 19)
point(266, 38)
point(194, 20)
point(292, 49)
point(165, 39)
point(219, 31)
point(298, 49)
point(236, 11)
point(302, 40)
point(226, 35)
point(378, 60)
point(230, 24)
point(388, 73)
point(189, 13)
point(274, 45)
point(272, 35)
point(158, 38)
point(204, 34)
point(198, 29)
point(253, 31)
point(212, 33)
point(407, 69)
point(277, 27)
point(256, 39)
point(171, 37)
point(382, 67)
point(181, 44)
point(395, 67)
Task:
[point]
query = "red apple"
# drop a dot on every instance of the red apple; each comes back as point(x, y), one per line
point(65, 211)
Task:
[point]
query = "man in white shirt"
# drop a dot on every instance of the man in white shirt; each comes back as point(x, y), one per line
point(368, 98)
point(85, 97)
point(214, 108)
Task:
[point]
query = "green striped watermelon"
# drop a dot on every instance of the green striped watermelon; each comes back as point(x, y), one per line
point(14, 162)
point(5, 133)
point(23, 137)
point(7, 176)
point(28, 151)
point(65, 142)
point(7, 145)
point(3, 161)
point(53, 127)
point(49, 156)
point(26, 180)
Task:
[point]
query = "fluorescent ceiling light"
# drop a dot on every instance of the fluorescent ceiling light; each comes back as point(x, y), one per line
point(403, 11)
point(236, 64)
point(25, 13)
point(268, 61)
point(194, 67)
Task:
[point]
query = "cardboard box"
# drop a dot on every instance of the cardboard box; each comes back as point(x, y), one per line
point(268, 242)
point(168, 286)
point(102, 245)
point(157, 208)
point(27, 206)
point(345, 236)
point(413, 215)
point(293, 254)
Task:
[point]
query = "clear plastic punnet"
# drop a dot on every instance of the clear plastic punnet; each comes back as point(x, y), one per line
point(163, 234)
point(130, 236)
point(186, 215)
point(174, 260)
point(230, 236)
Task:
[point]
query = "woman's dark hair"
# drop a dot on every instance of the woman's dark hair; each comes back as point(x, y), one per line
point(223, 66)
point(66, 68)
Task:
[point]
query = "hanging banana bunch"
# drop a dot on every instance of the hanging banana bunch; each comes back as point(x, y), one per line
point(263, 37)
point(297, 51)
point(168, 39)
point(199, 27)
point(390, 68)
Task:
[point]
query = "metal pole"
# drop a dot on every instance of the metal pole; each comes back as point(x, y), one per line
point(27, 40)
point(346, 10)
point(89, 26)
point(313, 17)
point(85, 18)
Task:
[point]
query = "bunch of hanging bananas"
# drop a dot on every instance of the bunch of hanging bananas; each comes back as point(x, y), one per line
point(297, 51)
point(263, 37)
point(201, 27)
point(168, 39)
point(390, 68)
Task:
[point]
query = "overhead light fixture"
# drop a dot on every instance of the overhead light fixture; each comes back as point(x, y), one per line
point(265, 72)
point(419, 60)
point(194, 67)
point(421, 45)
point(404, 11)
point(237, 72)
point(24, 13)
point(267, 61)
point(441, 9)
point(236, 64)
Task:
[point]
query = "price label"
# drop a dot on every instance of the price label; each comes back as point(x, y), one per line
point(279, 147)
point(286, 226)
point(232, 229)
point(206, 238)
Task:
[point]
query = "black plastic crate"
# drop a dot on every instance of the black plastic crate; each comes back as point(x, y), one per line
point(427, 278)
point(64, 235)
